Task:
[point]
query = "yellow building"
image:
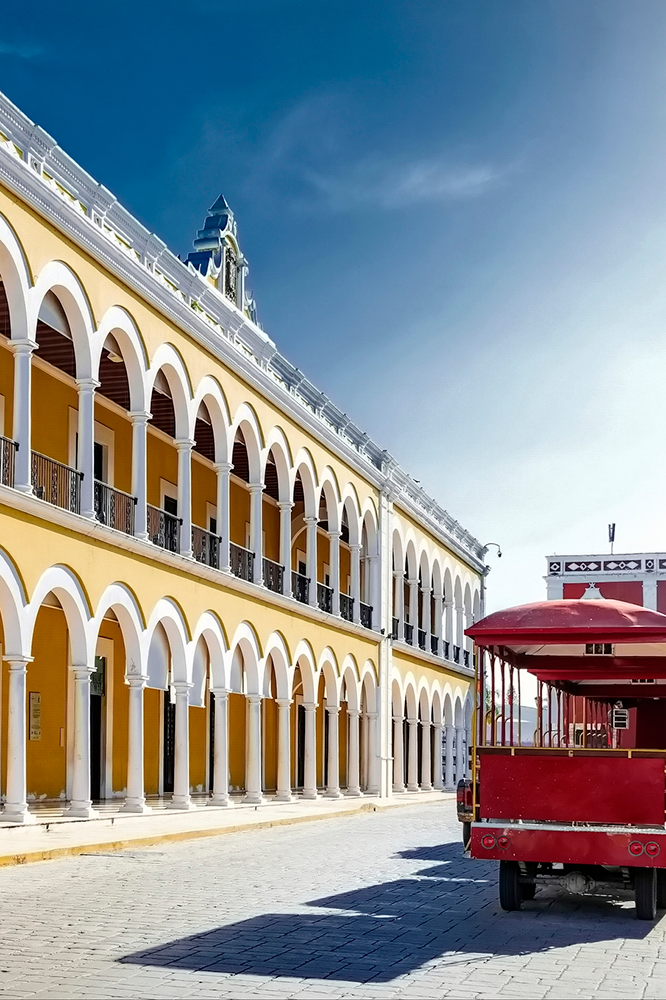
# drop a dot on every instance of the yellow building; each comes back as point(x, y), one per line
point(212, 583)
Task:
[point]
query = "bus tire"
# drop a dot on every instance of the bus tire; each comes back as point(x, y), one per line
point(661, 889)
point(645, 891)
point(510, 889)
point(467, 835)
point(528, 890)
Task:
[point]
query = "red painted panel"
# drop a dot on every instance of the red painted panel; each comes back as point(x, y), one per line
point(661, 596)
point(573, 847)
point(572, 789)
point(630, 591)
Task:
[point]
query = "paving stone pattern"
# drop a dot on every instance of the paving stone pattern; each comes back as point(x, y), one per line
point(373, 905)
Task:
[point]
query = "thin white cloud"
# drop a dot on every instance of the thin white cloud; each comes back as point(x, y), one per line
point(21, 50)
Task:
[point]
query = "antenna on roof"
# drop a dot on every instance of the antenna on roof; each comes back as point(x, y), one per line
point(611, 536)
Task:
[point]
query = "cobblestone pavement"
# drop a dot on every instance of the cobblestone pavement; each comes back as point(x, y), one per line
point(373, 905)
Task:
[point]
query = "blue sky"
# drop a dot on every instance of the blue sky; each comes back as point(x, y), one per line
point(454, 212)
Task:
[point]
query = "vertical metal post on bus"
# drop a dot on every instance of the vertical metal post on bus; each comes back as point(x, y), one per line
point(511, 693)
point(492, 697)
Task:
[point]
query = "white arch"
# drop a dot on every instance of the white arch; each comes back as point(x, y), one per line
point(436, 704)
point(277, 443)
point(58, 278)
point(119, 598)
point(328, 669)
point(304, 659)
point(167, 614)
point(304, 465)
point(276, 649)
point(328, 488)
point(12, 608)
point(350, 504)
point(65, 585)
point(117, 322)
point(409, 691)
point(167, 360)
point(245, 421)
point(15, 276)
point(410, 556)
point(209, 628)
point(350, 683)
point(246, 644)
point(210, 393)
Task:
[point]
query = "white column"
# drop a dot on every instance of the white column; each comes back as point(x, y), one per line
point(135, 798)
point(650, 593)
point(253, 760)
point(399, 601)
point(460, 760)
point(426, 778)
point(86, 445)
point(425, 597)
point(374, 601)
point(283, 793)
point(353, 771)
point(355, 560)
point(285, 543)
point(140, 420)
point(398, 755)
point(333, 762)
point(448, 760)
point(438, 624)
point(184, 446)
point(437, 777)
point(181, 771)
point(448, 626)
point(220, 795)
point(412, 756)
point(16, 805)
point(414, 609)
point(311, 546)
point(256, 512)
point(310, 753)
point(223, 471)
point(373, 755)
point(21, 426)
point(334, 544)
point(81, 804)
point(459, 638)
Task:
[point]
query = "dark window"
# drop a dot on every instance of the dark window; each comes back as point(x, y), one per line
point(98, 471)
point(171, 505)
point(212, 525)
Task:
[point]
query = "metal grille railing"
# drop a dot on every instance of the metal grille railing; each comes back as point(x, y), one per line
point(273, 575)
point(163, 528)
point(56, 483)
point(113, 507)
point(394, 630)
point(456, 654)
point(205, 546)
point(241, 562)
point(366, 614)
point(300, 587)
point(466, 657)
point(446, 649)
point(8, 449)
point(325, 597)
point(347, 607)
point(409, 633)
point(422, 638)
point(434, 644)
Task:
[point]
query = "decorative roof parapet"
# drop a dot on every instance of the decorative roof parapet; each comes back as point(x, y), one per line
point(28, 153)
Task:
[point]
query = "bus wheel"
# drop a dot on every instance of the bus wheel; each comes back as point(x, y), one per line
point(510, 889)
point(661, 888)
point(528, 890)
point(467, 835)
point(645, 890)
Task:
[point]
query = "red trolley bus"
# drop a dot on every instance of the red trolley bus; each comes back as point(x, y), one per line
point(582, 799)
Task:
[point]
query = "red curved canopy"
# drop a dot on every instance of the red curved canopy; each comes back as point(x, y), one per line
point(569, 622)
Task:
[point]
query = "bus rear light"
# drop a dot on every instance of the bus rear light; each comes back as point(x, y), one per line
point(652, 849)
point(488, 842)
point(503, 843)
point(635, 848)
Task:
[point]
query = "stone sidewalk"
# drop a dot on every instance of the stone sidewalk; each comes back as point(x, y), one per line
point(375, 904)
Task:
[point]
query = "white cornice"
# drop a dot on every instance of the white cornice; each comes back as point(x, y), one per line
point(34, 167)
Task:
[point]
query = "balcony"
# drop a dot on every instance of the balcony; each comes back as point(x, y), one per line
point(456, 654)
point(114, 508)
point(434, 645)
point(300, 587)
point(446, 649)
point(325, 597)
point(241, 562)
point(466, 658)
point(366, 615)
point(395, 625)
point(163, 528)
point(422, 638)
point(273, 576)
point(56, 483)
point(409, 633)
point(205, 547)
point(8, 449)
point(347, 607)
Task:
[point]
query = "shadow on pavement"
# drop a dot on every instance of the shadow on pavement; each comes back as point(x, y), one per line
point(376, 933)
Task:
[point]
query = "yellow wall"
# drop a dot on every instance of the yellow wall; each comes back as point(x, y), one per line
point(323, 554)
point(345, 570)
point(111, 630)
point(122, 445)
point(237, 728)
point(343, 737)
point(198, 743)
point(46, 759)
point(204, 490)
point(7, 386)
point(270, 724)
point(152, 717)
point(239, 512)
point(51, 400)
point(271, 529)
point(162, 464)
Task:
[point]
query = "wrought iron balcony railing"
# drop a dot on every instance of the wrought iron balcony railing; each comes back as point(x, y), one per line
point(163, 528)
point(409, 633)
point(366, 614)
point(273, 576)
point(56, 483)
point(113, 507)
point(325, 597)
point(206, 546)
point(434, 645)
point(395, 626)
point(422, 638)
point(300, 587)
point(347, 607)
point(456, 654)
point(466, 657)
point(241, 562)
point(8, 449)
point(446, 649)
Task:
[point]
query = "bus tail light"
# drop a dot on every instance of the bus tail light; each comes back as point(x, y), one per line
point(503, 843)
point(652, 849)
point(488, 842)
point(635, 848)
